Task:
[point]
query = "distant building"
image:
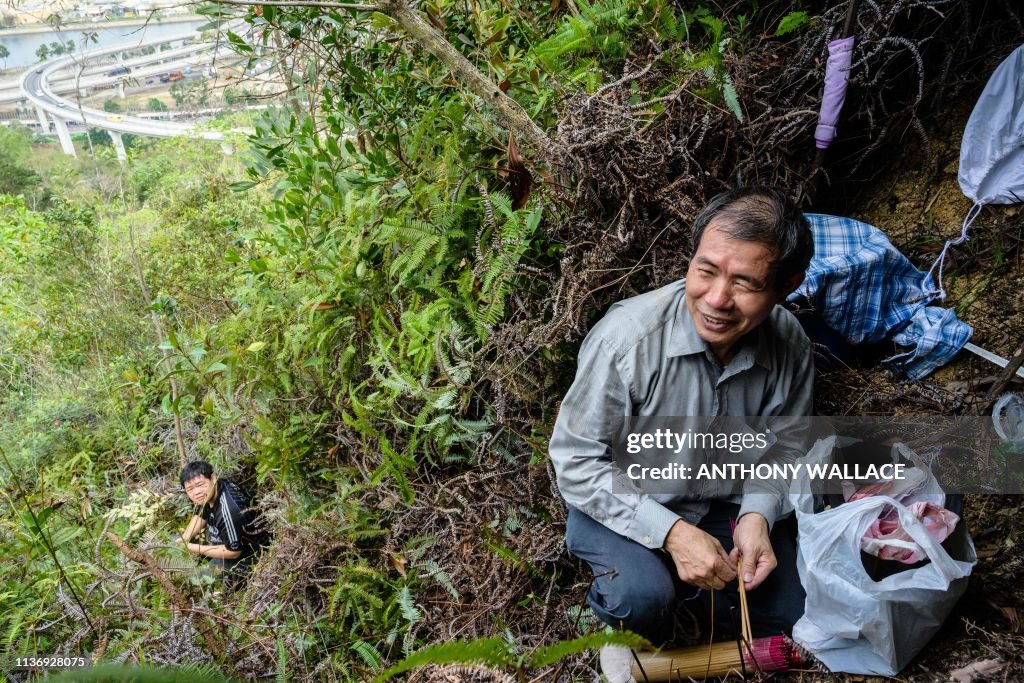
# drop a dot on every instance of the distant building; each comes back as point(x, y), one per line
point(94, 13)
point(38, 12)
point(162, 6)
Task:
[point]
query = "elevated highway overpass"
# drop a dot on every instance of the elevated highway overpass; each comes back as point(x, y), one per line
point(96, 74)
point(35, 87)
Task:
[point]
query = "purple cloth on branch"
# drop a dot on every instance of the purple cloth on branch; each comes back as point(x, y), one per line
point(837, 72)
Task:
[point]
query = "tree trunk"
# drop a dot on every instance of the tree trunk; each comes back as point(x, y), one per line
point(511, 113)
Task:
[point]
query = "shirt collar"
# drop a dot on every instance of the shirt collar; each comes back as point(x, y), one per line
point(684, 340)
point(213, 501)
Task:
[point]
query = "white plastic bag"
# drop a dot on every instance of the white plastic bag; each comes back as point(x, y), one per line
point(851, 622)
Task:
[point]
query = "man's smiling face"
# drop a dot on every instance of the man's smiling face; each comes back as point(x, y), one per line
point(729, 289)
point(200, 489)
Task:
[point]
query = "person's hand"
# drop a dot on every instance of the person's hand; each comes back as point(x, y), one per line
point(755, 547)
point(699, 558)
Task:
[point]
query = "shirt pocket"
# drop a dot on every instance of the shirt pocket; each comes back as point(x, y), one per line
point(741, 443)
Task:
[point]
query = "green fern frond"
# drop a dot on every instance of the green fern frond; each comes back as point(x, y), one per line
point(732, 100)
point(14, 630)
point(409, 641)
point(282, 663)
point(368, 653)
point(546, 656)
point(493, 652)
point(474, 427)
point(176, 564)
point(722, 84)
point(433, 570)
point(444, 400)
point(512, 523)
point(582, 617)
point(714, 25)
point(592, 31)
point(408, 608)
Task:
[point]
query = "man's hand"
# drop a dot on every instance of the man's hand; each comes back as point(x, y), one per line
point(699, 558)
point(753, 545)
point(195, 525)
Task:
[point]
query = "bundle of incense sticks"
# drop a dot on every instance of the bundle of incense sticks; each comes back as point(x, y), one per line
point(744, 611)
point(776, 653)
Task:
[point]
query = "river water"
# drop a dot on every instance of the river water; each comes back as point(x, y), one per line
point(23, 47)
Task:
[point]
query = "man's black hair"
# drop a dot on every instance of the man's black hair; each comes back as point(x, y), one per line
point(766, 216)
point(194, 469)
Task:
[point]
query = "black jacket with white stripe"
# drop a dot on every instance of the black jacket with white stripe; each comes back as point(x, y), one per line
point(232, 521)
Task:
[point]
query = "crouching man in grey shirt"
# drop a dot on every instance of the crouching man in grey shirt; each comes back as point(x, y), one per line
point(712, 345)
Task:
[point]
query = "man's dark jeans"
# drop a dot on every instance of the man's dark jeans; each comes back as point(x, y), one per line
point(232, 573)
point(638, 589)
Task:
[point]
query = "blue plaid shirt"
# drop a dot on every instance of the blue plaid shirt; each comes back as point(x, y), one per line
point(861, 286)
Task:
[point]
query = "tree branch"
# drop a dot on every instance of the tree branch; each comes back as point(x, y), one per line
point(509, 110)
point(511, 113)
point(213, 641)
point(178, 436)
point(513, 116)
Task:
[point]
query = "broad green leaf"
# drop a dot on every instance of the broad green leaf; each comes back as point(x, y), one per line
point(792, 22)
point(214, 368)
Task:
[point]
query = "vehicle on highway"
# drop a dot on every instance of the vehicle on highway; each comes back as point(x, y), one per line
point(40, 93)
point(39, 70)
point(118, 71)
point(62, 103)
point(115, 117)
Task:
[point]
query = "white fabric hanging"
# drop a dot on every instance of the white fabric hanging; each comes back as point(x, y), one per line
point(992, 150)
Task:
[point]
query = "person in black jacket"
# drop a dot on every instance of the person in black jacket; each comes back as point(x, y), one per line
point(235, 530)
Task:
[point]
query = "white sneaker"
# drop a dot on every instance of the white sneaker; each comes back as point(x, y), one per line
point(617, 664)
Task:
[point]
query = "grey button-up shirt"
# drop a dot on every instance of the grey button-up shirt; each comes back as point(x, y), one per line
point(645, 358)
